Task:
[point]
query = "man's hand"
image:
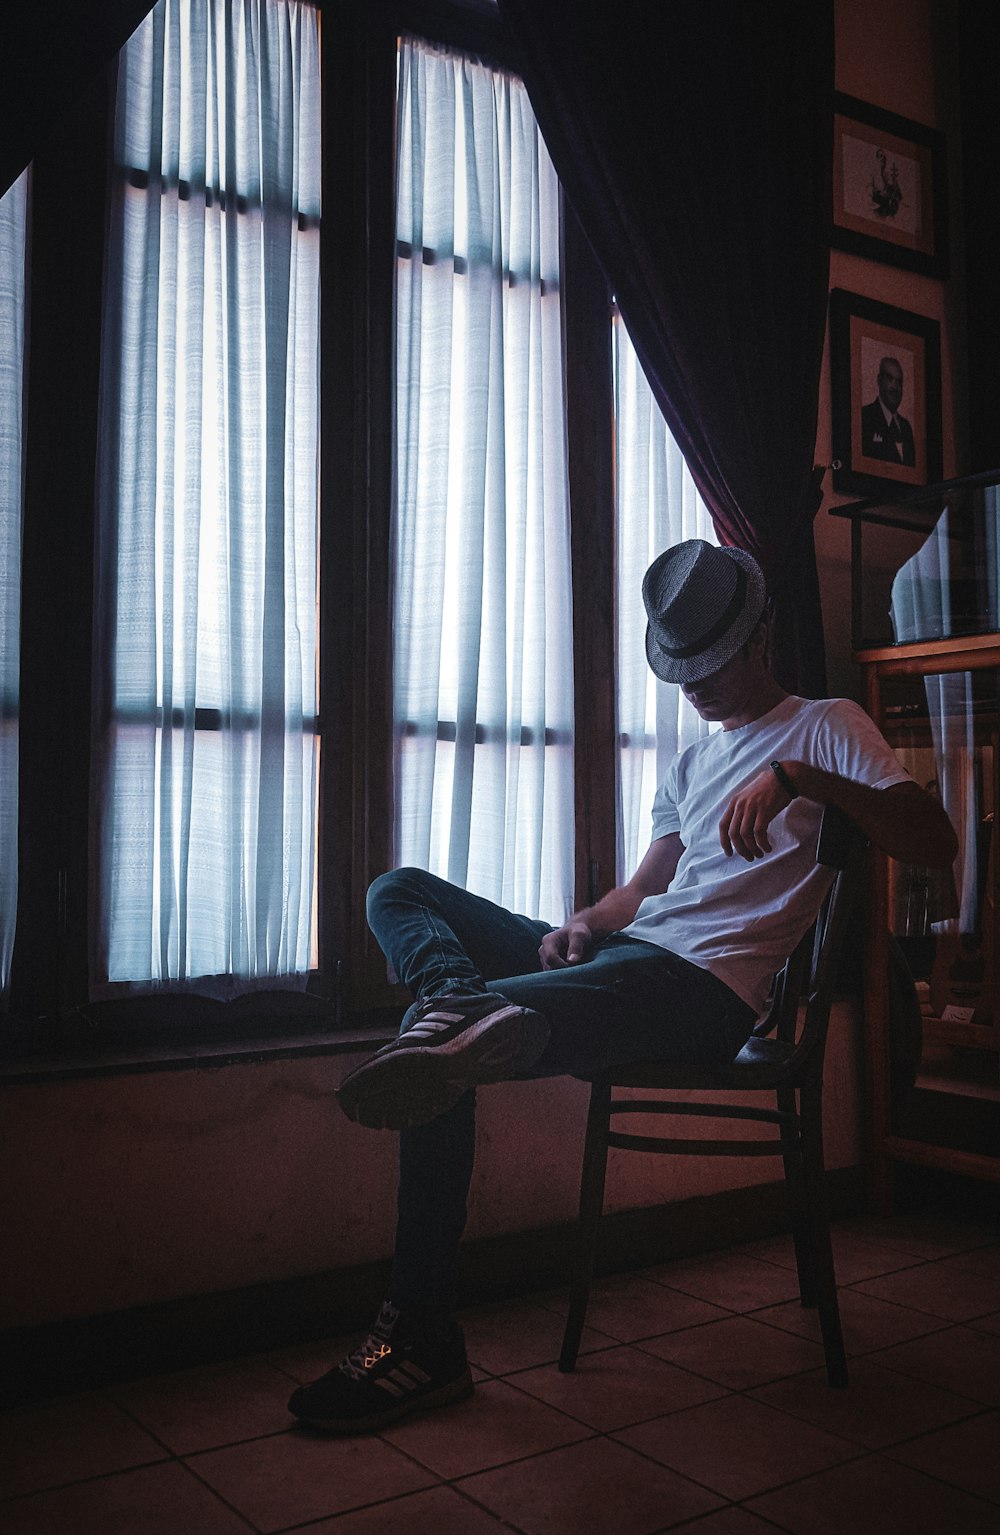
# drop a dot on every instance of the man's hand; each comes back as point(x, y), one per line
point(743, 828)
point(573, 943)
point(568, 945)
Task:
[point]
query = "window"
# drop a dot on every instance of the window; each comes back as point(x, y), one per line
point(392, 619)
point(483, 644)
point(208, 496)
point(657, 505)
point(13, 222)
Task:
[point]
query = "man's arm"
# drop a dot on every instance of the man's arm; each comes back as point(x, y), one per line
point(903, 820)
point(572, 942)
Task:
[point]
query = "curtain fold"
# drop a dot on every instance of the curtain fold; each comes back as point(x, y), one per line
point(13, 234)
point(205, 760)
point(695, 143)
point(483, 649)
point(656, 505)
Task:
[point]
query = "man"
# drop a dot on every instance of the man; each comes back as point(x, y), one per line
point(674, 965)
point(885, 433)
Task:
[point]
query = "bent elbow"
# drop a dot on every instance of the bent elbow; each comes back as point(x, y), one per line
point(932, 844)
point(941, 846)
point(949, 848)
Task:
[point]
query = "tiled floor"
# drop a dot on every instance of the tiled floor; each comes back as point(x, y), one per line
point(700, 1404)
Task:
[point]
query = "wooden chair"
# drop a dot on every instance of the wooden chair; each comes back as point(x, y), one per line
point(783, 1056)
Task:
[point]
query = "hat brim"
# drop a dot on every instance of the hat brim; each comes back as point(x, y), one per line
point(695, 668)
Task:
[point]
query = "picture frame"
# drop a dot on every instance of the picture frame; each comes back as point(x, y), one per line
point(885, 367)
point(890, 194)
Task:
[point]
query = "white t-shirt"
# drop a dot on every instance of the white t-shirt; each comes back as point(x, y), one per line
point(740, 919)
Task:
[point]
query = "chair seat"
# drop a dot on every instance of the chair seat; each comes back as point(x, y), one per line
point(760, 1064)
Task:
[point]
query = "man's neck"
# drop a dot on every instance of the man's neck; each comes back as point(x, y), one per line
point(760, 701)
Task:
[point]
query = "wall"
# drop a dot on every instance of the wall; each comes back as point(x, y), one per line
point(900, 55)
point(133, 1189)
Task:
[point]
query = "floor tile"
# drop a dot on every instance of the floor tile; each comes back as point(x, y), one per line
point(731, 1280)
point(879, 1407)
point(290, 1478)
point(965, 1455)
point(958, 1360)
point(927, 1236)
point(438, 1511)
point(728, 1521)
point(867, 1323)
point(600, 1487)
point(854, 1257)
point(737, 1352)
point(875, 1497)
point(939, 1290)
point(498, 1424)
point(202, 1409)
point(66, 1440)
point(158, 1500)
point(737, 1447)
point(616, 1387)
point(308, 1361)
point(646, 1435)
point(515, 1337)
point(629, 1309)
point(985, 1261)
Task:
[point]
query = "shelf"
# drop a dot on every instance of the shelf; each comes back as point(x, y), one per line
point(902, 656)
point(970, 1073)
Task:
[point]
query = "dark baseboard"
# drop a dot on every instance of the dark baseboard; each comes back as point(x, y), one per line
point(89, 1352)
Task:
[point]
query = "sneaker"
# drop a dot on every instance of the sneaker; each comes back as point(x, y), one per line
point(388, 1377)
point(453, 1042)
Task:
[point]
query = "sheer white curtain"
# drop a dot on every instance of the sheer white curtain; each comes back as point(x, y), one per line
point(205, 756)
point(483, 691)
point(13, 223)
point(657, 506)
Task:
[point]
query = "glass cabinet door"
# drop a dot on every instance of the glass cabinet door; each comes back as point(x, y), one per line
point(945, 728)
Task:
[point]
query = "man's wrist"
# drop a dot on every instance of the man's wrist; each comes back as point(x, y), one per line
point(785, 780)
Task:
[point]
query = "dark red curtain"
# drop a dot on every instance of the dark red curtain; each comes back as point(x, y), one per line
point(48, 54)
point(694, 139)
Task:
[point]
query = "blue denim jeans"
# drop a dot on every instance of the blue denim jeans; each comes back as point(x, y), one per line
point(628, 1003)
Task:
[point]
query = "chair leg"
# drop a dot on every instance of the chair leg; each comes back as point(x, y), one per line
point(798, 1207)
point(814, 1179)
point(595, 1162)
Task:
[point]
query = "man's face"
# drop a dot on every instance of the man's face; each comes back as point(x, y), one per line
point(724, 695)
point(890, 385)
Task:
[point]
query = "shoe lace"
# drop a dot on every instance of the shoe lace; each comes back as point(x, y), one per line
point(375, 1346)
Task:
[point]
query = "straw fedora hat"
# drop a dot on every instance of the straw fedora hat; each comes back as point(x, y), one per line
point(702, 604)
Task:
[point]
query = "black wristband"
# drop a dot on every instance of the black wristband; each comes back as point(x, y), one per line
point(784, 780)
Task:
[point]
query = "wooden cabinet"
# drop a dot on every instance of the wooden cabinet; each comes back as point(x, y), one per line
point(938, 704)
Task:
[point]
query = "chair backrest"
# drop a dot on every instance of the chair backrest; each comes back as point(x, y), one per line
point(811, 971)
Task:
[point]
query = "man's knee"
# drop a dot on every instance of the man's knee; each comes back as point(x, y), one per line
point(394, 886)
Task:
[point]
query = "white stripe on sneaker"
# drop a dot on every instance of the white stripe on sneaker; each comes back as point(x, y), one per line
point(433, 1024)
point(387, 1384)
point(412, 1372)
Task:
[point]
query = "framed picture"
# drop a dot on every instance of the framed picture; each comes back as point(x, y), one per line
point(885, 366)
point(889, 188)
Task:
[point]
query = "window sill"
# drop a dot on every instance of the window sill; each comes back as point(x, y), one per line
point(80, 1053)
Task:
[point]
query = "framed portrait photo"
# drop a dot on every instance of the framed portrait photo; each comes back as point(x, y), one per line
point(889, 188)
point(885, 366)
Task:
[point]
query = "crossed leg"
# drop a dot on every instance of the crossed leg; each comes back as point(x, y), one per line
point(630, 1002)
